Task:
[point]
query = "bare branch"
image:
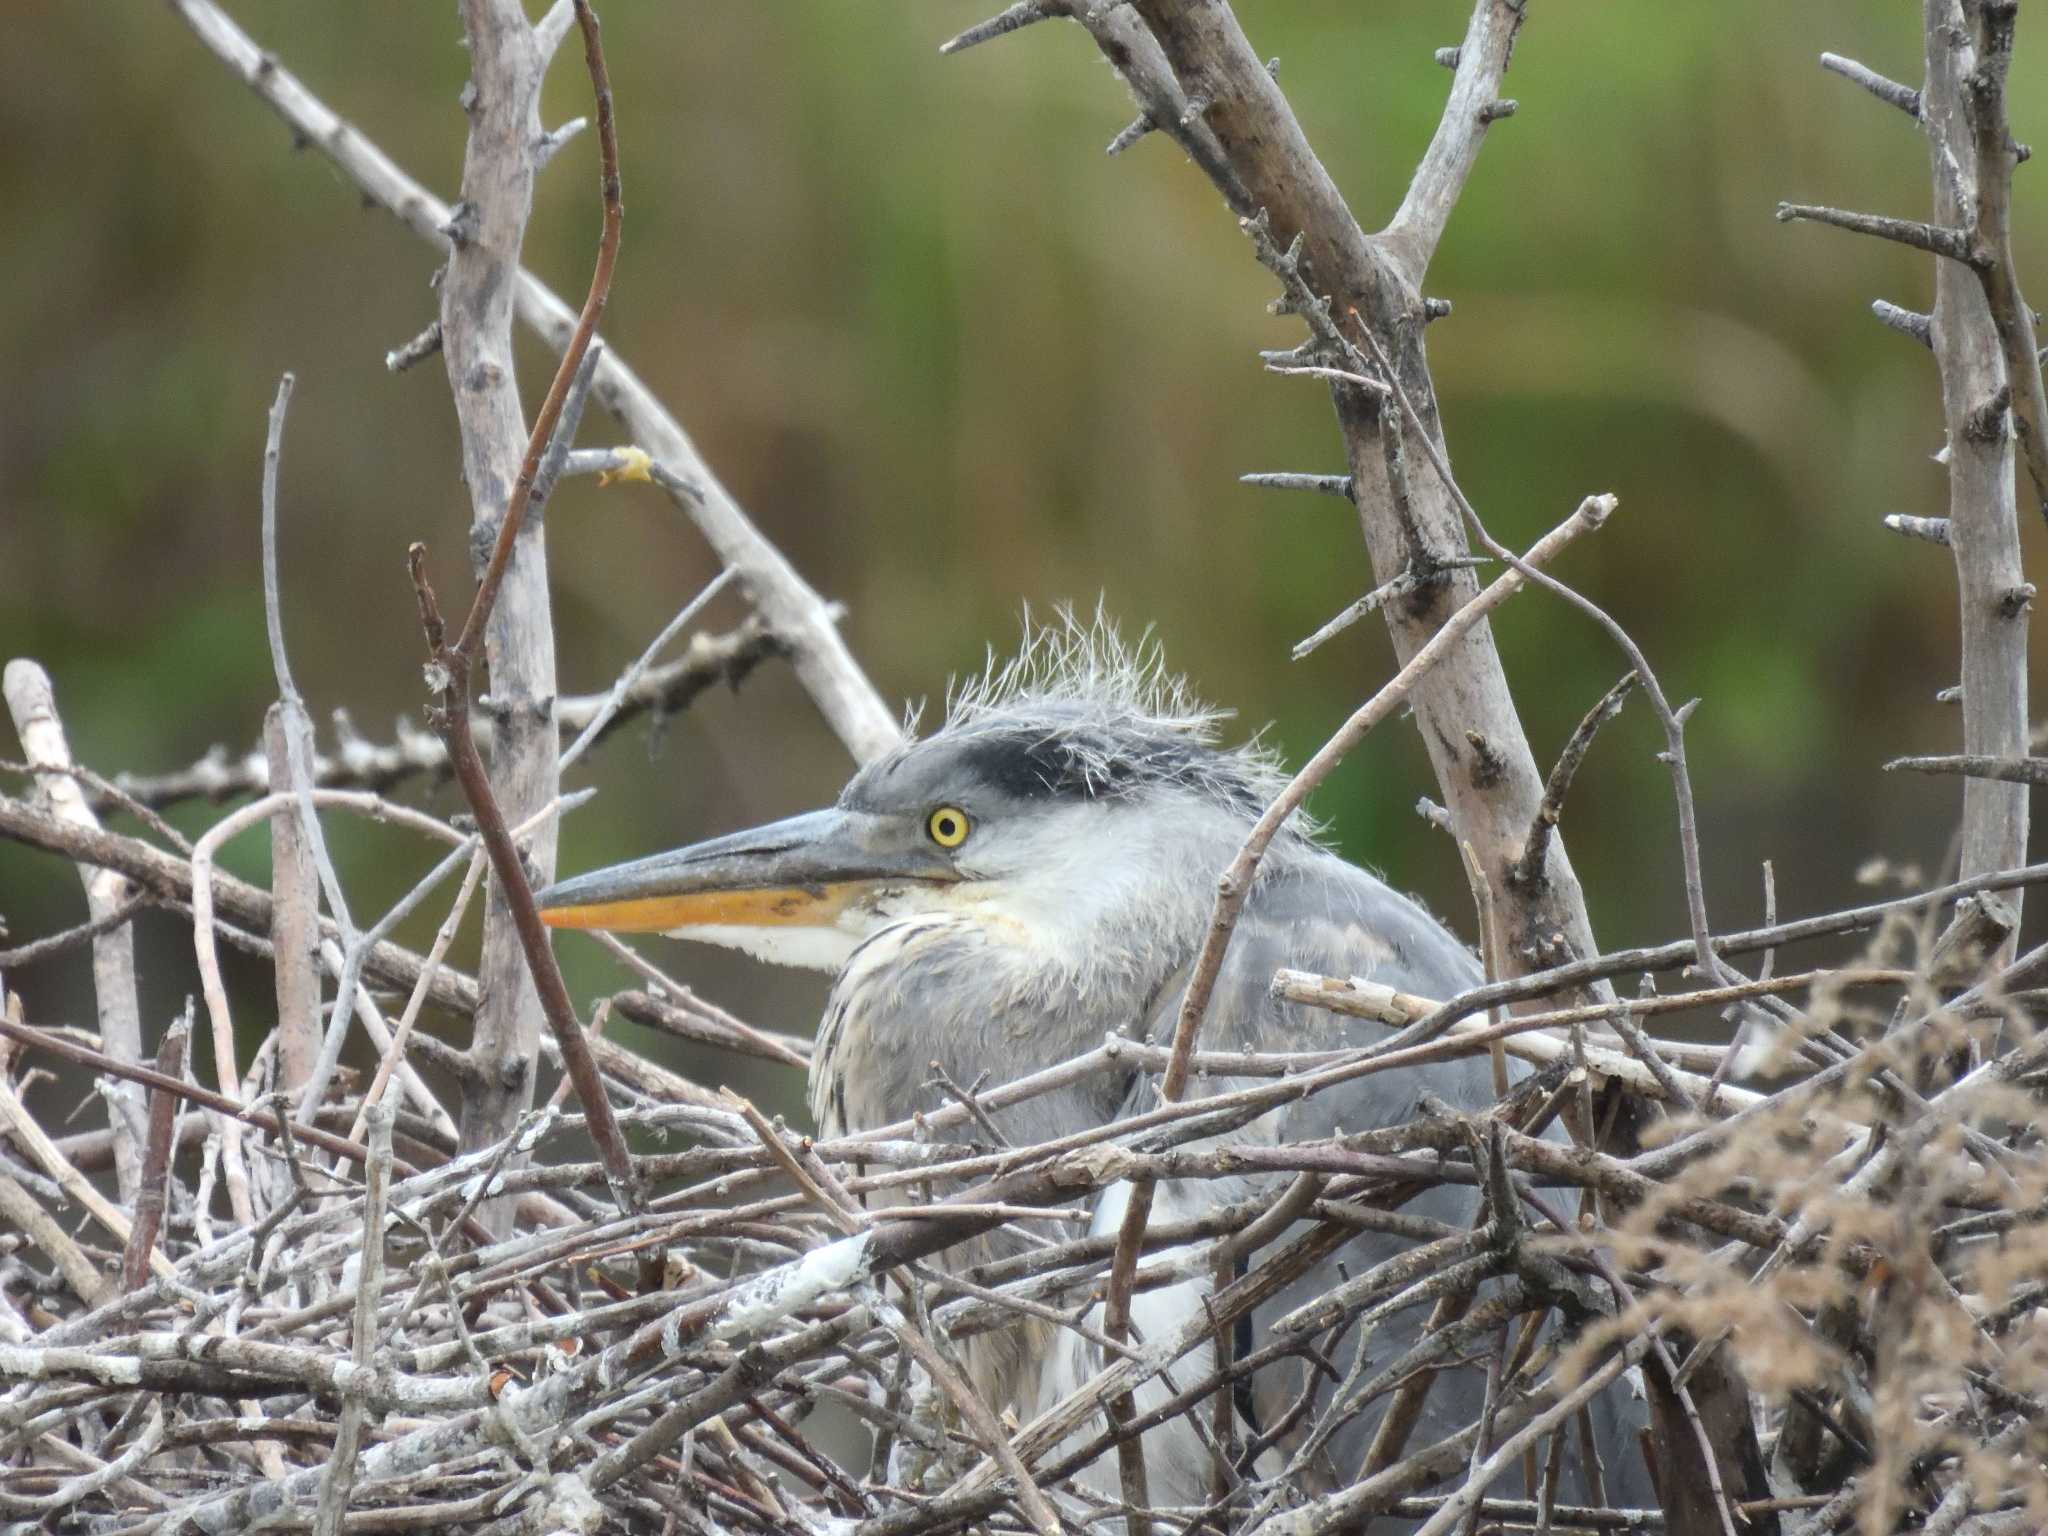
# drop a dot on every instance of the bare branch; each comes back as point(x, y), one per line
point(156, 1162)
point(1905, 321)
point(423, 346)
point(1481, 64)
point(1530, 865)
point(295, 922)
point(1984, 113)
point(33, 702)
point(1012, 18)
point(1974, 765)
point(1972, 178)
point(339, 1477)
point(359, 763)
point(791, 609)
point(1904, 97)
point(1328, 485)
point(1129, 135)
point(1933, 530)
point(1935, 239)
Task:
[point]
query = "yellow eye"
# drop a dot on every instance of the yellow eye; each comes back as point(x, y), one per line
point(947, 826)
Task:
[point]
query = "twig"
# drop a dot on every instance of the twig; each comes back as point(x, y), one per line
point(1934, 530)
point(1935, 239)
point(1672, 720)
point(1344, 376)
point(601, 718)
point(1531, 864)
point(1907, 322)
point(58, 943)
point(1482, 62)
point(298, 729)
point(156, 1161)
point(1282, 480)
point(1976, 765)
point(1236, 882)
point(1904, 97)
point(214, 989)
point(394, 1056)
point(416, 351)
point(1970, 165)
point(340, 1475)
point(57, 1045)
point(294, 919)
point(1403, 583)
point(36, 1142)
point(1455, 1508)
point(359, 763)
point(21, 1210)
point(968, 1099)
point(791, 609)
point(450, 672)
point(1013, 17)
point(33, 702)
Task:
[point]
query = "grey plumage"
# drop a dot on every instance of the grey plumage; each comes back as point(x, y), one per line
point(1096, 805)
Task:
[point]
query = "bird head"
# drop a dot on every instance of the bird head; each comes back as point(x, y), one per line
point(1074, 784)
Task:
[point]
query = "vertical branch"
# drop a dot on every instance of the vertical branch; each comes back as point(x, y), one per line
point(339, 1478)
point(449, 671)
point(156, 1163)
point(486, 228)
point(1412, 524)
point(1977, 395)
point(294, 921)
point(33, 703)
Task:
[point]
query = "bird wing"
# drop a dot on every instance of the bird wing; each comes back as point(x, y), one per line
point(1320, 914)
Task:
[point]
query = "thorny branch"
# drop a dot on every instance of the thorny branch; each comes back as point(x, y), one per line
point(449, 667)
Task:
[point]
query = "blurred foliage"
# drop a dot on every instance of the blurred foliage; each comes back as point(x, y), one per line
point(953, 360)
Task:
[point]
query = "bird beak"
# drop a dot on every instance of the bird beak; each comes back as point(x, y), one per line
point(805, 872)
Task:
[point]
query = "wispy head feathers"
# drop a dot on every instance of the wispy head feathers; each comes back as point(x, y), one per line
point(1080, 711)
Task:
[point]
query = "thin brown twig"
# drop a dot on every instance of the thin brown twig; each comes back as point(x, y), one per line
point(156, 1157)
point(149, 1077)
point(1535, 856)
point(450, 667)
point(52, 945)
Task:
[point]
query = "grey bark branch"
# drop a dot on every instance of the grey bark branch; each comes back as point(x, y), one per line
point(294, 923)
point(360, 763)
point(1418, 225)
point(804, 620)
point(1993, 23)
point(503, 104)
point(1983, 520)
point(2005, 770)
point(1904, 97)
point(33, 703)
point(1408, 521)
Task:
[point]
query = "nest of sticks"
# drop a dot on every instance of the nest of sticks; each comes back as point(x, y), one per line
point(1834, 1279)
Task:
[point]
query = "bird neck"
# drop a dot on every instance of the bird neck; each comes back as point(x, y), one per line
point(1014, 979)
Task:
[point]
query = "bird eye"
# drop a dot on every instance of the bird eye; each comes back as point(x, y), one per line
point(947, 826)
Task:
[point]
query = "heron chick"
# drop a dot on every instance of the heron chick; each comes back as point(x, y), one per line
point(1034, 874)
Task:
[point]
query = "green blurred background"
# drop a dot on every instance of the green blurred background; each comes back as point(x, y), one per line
point(953, 359)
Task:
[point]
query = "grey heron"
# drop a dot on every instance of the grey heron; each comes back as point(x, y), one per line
point(1036, 872)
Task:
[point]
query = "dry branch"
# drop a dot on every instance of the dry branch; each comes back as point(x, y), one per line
point(1972, 179)
point(33, 702)
point(802, 620)
point(360, 763)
